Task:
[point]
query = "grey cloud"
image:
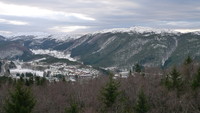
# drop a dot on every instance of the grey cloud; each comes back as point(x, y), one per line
point(114, 13)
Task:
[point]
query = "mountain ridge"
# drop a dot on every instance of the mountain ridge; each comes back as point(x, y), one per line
point(124, 47)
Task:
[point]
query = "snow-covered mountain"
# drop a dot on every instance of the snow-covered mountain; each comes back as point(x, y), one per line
point(121, 47)
point(137, 29)
point(127, 46)
point(40, 36)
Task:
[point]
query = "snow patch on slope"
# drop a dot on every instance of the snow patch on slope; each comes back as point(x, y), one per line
point(105, 44)
point(53, 53)
point(170, 52)
point(158, 46)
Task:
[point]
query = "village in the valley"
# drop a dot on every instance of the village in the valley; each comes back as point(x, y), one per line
point(52, 72)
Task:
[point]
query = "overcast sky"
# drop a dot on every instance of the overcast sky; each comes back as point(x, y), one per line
point(83, 16)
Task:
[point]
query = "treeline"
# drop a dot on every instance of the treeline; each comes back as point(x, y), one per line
point(176, 90)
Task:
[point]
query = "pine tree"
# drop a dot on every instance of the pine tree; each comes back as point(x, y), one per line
point(138, 68)
point(31, 81)
point(173, 80)
point(196, 80)
point(27, 83)
point(43, 81)
point(188, 68)
point(130, 72)
point(109, 93)
point(37, 80)
point(21, 79)
point(73, 108)
point(176, 79)
point(167, 82)
point(21, 100)
point(22, 75)
point(63, 79)
point(123, 103)
point(141, 105)
point(18, 74)
point(188, 60)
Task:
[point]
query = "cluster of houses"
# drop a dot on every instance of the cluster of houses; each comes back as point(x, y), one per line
point(55, 71)
point(52, 72)
point(70, 72)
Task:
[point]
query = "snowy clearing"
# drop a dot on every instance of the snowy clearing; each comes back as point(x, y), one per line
point(53, 53)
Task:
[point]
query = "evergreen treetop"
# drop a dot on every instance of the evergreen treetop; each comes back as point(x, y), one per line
point(188, 60)
point(110, 93)
point(196, 80)
point(141, 105)
point(21, 100)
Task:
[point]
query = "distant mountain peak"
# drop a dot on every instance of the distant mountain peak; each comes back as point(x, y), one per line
point(42, 35)
point(137, 29)
point(197, 32)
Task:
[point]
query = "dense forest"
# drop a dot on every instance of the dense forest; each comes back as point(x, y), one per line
point(150, 90)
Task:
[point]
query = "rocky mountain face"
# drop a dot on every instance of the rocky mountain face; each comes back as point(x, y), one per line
point(116, 47)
